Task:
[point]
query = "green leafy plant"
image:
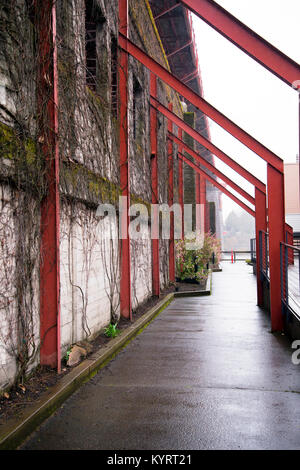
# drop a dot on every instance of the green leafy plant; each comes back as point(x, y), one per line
point(193, 255)
point(111, 331)
point(66, 358)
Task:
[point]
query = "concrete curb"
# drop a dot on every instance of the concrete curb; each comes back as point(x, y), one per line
point(197, 293)
point(17, 430)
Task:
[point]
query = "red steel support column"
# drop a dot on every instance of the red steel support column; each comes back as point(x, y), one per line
point(50, 214)
point(170, 202)
point(276, 221)
point(203, 204)
point(260, 224)
point(125, 281)
point(154, 182)
point(181, 184)
point(197, 199)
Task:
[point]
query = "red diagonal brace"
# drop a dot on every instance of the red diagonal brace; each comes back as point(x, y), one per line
point(200, 103)
point(218, 185)
point(220, 175)
point(246, 39)
point(207, 144)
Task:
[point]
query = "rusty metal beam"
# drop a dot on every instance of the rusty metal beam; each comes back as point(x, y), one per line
point(245, 39)
point(200, 103)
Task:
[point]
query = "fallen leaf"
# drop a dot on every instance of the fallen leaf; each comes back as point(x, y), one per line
point(6, 395)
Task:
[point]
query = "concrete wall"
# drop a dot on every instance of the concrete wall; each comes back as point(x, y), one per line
point(89, 175)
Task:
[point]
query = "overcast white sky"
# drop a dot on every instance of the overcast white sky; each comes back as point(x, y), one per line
point(247, 93)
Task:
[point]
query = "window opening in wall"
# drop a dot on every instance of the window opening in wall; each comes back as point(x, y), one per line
point(114, 77)
point(137, 101)
point(94, 21)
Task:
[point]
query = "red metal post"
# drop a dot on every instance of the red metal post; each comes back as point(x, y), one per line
point(181, 184)
point(203, 203)
point(125, 281)
point(246, 39)
point(201, 104)
point(171, 202)
point(154, 182)
point(50, 211)
point(276, 220)
point(260, 224)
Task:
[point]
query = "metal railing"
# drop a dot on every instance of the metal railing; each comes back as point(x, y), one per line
point(264, 254)
point(253, 250)
point(235, 255)
point(290, 278)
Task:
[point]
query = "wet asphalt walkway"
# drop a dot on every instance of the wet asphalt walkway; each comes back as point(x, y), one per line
point(206, 374)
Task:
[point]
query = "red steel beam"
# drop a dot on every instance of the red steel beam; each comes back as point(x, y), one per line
point(207, 144)
point(179, 49)
point(171, 201)
point(181, 184)
point(125, 281)
point(166, 11)
point(154, 182)
point(276, 222)
point(47, 97)
point(200, 103)
point(214, 170)
point(245, 39)
point(218, 185)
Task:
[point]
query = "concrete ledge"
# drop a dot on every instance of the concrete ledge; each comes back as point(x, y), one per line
point(17, 430)
point(197, 293)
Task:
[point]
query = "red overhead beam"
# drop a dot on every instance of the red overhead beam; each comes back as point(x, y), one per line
point(200, 103)
point(167, 11)
point(245, 39)
point(213, 169)
point(218, 185)
point(207, 144)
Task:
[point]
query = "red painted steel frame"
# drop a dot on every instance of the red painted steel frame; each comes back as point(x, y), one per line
point(208, 145)
point(200, 103)
point(276, 224)
point(125, 281)
point(171, 201)
point(245, 39)
point(260, 224)
point(214, 170)
point(154, 182)
point(50, 219)
point(181, 183)
point(218, 185)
